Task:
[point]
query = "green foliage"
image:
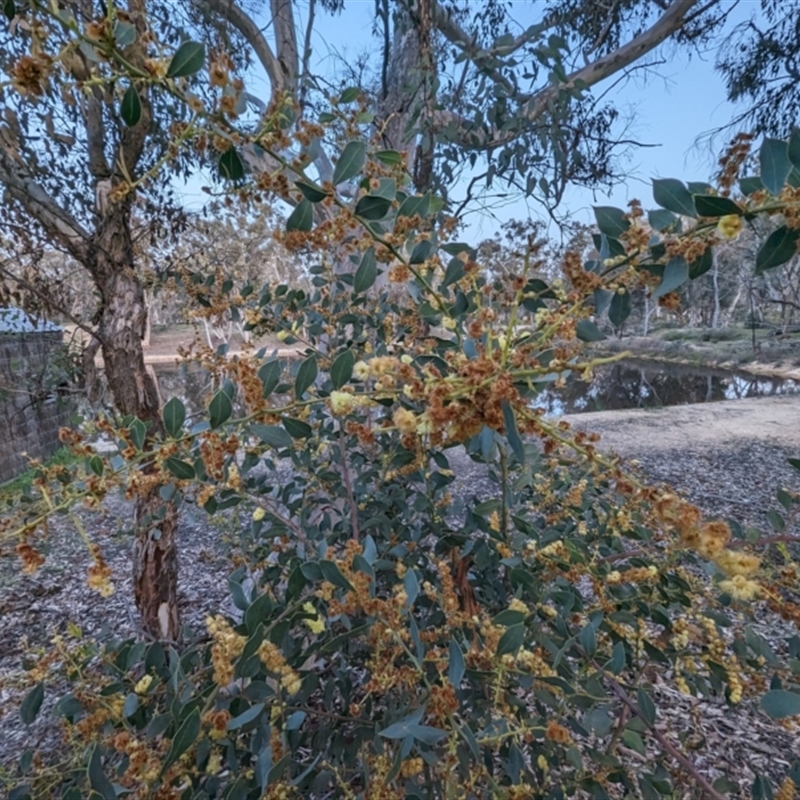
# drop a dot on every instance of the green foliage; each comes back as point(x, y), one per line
point(395, 634)
point(188, 60)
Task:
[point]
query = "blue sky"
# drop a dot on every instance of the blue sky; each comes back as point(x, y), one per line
point(671, 107)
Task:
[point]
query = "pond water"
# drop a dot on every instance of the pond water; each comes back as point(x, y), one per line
point(626, 384)
point(652, 384)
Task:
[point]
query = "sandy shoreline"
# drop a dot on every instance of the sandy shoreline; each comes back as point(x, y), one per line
point(774, 420)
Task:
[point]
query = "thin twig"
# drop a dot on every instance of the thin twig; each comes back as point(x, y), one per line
point(348, 485)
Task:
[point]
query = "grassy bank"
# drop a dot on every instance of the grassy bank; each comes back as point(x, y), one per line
point(723, 347)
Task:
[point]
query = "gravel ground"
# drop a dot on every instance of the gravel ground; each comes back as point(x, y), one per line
point(731, 476)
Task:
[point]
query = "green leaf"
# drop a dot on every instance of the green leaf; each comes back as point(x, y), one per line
point(777, 522)
point(332, 574)
point(402, 729)
point(231, 166)
point(511, 640)
point(350, 163)
point(793, 147)
point(620, 308)
point(700, 187)
point(710, 206)
point(367, 272)
point(427, 734)
point(676, 273)
point(634, 741)
point(131, 108)
point(32, 703)
point(661, 220)
point(648, 710)
point(180, 469)
point(780, 246)
point(138, 433)
point(413, 205)
point(512, 434)
point(749, 185)
point(587, 331)
point(246, 717)
point(302, 218)
point(671, 194)
point(779, 703)
point(131, 705)
point(124, 33)
point(389, 157)
point(702, 264)
point(188, 59)
point(454, 272)
point(611, 221)
point(795, 462)
point(270, 376)
point(372, 207)
point(342, 369)
point(618, 659)
point(588, 640)
point(350, 94)
point(174, 415)
point(219, 409)
point(272, 435)
point(311, 193)
point(775, 165)
point(306, 375)
point(97, 778)
point(421, 252)
point(96, 466)
point(296, 428)
point(9, 9)
point(456, 665)
point(184, 738)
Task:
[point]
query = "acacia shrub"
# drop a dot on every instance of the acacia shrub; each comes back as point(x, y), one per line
point(396, 638)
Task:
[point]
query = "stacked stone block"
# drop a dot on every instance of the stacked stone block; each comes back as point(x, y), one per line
point(31, 408)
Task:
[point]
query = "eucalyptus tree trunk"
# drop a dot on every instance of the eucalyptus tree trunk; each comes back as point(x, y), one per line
point(122, 328)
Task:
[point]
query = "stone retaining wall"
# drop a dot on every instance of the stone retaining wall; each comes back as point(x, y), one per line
point(31, 409)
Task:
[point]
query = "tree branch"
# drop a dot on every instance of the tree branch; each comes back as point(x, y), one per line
point(286, 43)
point(306, 69)
point(537, 104)
point(252, 34)
point(57, 222)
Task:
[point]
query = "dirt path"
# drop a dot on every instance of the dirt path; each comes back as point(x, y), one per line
point(728, 423)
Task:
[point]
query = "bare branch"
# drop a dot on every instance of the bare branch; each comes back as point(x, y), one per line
point(598, 42)
point(536, 105)
point(306, 69)
point(57, 221)
point(252, 34)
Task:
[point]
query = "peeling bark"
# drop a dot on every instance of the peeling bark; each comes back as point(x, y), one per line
point(135, 391)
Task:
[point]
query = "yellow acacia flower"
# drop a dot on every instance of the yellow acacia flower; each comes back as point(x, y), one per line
point(405, 420)
point(740, 588)
point(424, 425)
point(143, 685)
point(259, 514)
point(517, 605)
point(316, 625)
point(406, 358)
point(729, 226)
point(361, 370)
point(341, 402)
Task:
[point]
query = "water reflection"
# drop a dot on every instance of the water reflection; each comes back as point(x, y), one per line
point(627, 384)
point(190, 383)
point(647, 384)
